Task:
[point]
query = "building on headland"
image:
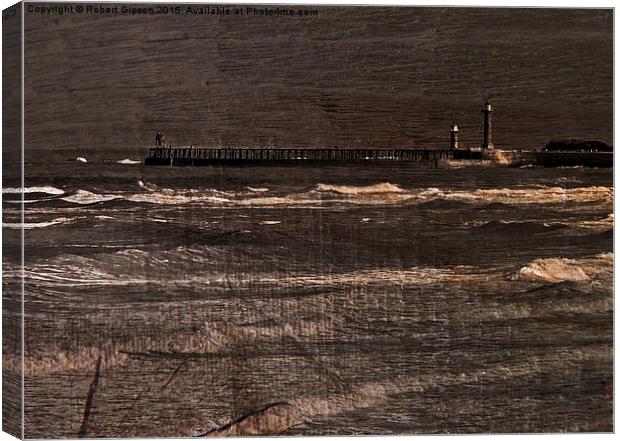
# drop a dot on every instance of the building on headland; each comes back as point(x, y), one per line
point(576, 145)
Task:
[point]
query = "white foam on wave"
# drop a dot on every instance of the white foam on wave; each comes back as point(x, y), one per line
point(553, 270)
point(29, 201)
point(175, 199)
point(129, 161)
point(539, 195)
point(379, 194)
point(557, 270)
point(43, 189)
point(33, 225)
point(81, 159)
point(391, 194)
point(202, 267)
point(84, 197)
point(258, 190)
point(384, 187)
point(168, 196)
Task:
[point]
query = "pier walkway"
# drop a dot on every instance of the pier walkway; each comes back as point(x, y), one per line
point(184, 156)
point(215, 156)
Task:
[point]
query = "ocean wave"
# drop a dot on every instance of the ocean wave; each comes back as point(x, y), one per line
point(557, 270)
point(388, 194)
point(134, 266)
point(27, 201)
point(154, 188)
point(44, 189)
point(603, 224)
point(569, 226)
point(177, 199)
point(384, 187)
point(162, 267)
point(258, 190)
point(529, 226)
point(84, 197)
point(33, 225)
point(280, 417)
point(538, 195)
point(129, 161)
point(155, 194)
point(325, 194)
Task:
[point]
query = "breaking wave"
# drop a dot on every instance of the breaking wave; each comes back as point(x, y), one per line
point(128, 161)
point(557, 270)
point(84, 197)
point(45, 189)
point(33, 225)
point(353, 190)
point(533, 195)
point(134, 266)
point(258, 190)
point(322, 194)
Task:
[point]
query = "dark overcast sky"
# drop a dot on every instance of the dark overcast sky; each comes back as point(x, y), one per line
point(376, 77)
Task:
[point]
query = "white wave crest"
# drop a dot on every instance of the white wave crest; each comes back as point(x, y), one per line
point(128, 161)
point(530, 195)
point(389, 194)
point(379, 194)
point(148, 186)
point(44, 189)
point(384, 187)
point(33, 225)
point(84, 197)
point(169, 196)
point(166, 198)
point(557, 270)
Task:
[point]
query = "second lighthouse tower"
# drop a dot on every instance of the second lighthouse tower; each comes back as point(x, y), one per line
point(487, 141)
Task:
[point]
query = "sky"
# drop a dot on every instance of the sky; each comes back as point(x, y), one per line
point(335, 77)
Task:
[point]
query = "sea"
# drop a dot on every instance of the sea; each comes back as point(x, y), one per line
point(302, 300)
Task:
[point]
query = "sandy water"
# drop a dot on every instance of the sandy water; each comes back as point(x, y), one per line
point(334, 300)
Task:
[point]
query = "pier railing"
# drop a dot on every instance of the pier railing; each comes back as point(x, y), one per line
point(198, 156)
point(250, 156)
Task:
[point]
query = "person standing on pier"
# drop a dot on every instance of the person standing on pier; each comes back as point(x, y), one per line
point(160, 139)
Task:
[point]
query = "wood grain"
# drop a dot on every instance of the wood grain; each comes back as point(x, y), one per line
point(357, 77)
